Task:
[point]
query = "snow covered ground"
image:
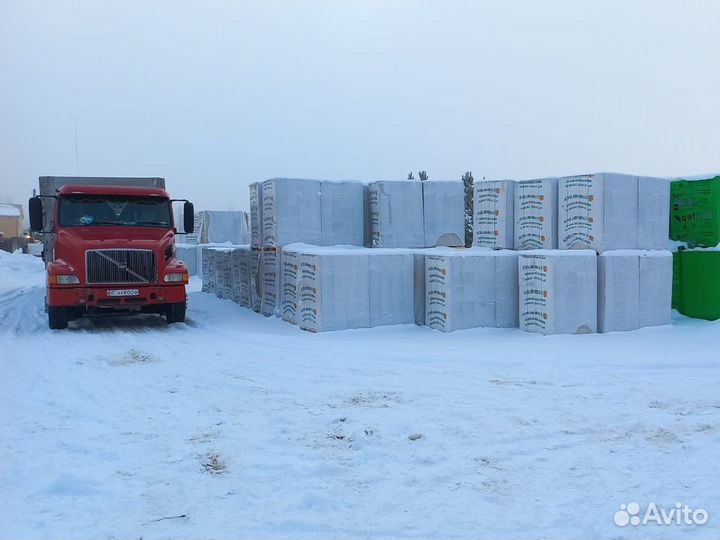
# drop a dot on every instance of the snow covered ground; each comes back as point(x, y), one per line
point(249, 427)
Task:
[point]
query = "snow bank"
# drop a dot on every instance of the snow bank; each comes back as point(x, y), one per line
point(17, 269)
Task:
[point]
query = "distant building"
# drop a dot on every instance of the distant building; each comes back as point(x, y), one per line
point(11, 226)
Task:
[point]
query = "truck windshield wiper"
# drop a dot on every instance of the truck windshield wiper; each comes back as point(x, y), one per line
point(128, 224)
point(151, 224)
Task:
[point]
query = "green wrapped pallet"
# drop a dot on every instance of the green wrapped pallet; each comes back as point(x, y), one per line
point(695, 212)
point(696, 287)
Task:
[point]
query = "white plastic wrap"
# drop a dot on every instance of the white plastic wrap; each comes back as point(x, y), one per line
point(241, 276)
point(443, 211)
point(219, 272)
point(391, 288)
point(255, 281)
point(227, 290)
point(223, 271)
point(618, 291)
point(224, 226)
point(471, 288)
point(342, 213)
point(653, 213)
point(634, 289)
point(193, 237)
point(289, 285)
point(336, 288)
point(493, 214)
point(419, 287)
point(610, 211)
point(396, 214)
point(270, 282)
point(208, 269)
point(187, 253)
point(558, 291)
point(656, 272)
point(256, 217)
point(334, 292)
point(291, 212)
point(535, 214)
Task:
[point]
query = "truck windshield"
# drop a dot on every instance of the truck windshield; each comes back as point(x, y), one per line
point(96, 210)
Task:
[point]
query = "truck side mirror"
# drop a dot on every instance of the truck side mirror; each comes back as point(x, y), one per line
point(188, 217)
point(36, 214)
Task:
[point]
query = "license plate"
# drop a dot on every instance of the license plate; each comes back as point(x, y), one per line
point(123, 292)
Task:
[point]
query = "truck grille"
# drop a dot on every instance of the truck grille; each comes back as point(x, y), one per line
point(114, 266)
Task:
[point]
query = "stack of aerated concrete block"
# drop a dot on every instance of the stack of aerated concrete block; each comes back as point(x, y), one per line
point(471, 288)
point(406, 214)
point(334, 288)
point(299, 278)
point(610, 271)
point(552, 255)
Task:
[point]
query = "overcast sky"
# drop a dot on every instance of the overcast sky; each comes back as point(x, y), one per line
point(214, 95)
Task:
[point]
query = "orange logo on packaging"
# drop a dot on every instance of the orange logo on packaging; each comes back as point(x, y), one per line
point(545, 316)
point(541, 197)
point(544, 268)
point(544, 294)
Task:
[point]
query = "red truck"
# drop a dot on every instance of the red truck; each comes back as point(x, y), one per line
point(109, 245)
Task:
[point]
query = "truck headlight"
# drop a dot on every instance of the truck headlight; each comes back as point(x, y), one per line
point(179, 277)
point(63, 279)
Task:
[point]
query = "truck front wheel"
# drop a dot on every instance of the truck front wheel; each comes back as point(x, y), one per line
point(175, 313)
point(58, 317)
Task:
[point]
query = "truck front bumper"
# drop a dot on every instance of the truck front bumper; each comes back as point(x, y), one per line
point(116, 296)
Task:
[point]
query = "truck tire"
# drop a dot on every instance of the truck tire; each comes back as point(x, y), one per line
point(58, 317)
point(175, 313)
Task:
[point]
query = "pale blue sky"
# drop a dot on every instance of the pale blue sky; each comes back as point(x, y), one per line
point(214, 95)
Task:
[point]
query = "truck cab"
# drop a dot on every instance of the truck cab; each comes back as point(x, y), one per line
point(112, 249)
